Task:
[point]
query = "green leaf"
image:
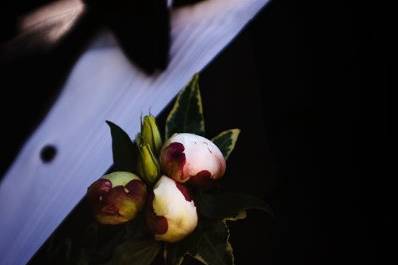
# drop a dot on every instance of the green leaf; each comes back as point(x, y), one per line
point(109, 238)
point(123, 149)
point(89, 236)
point(176, 252)
point(226, 141)
point(240, 216)
point(214, 247)
point(134, 228)
point(209, 244)
point(229, 206)
point(59, 250)
point(187, 113)
point(136, 252)
point(83, 259)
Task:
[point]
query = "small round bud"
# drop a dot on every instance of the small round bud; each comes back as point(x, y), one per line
point(117, 197)
point(171, 213)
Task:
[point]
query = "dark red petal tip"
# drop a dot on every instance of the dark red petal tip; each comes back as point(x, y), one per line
point(184, 190)
point(113, 200)
point(137, 190)
point(97, 189)
point(173, 159)
point(175, 151)
point(203, 178)
point(156, 224)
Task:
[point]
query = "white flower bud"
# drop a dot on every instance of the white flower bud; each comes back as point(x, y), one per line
point(192, 157)
point(171, 213)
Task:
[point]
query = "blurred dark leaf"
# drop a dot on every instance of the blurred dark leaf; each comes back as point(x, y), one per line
point(136, 252)
point(228, 205)
point(188, 246)
point(124, 155)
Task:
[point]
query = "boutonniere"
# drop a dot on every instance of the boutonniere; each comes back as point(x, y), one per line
point(164, 192)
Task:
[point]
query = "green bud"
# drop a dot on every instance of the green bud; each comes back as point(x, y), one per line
point(150, 134)
point(148, 165)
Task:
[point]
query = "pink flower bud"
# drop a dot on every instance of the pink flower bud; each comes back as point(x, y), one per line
point(117, 197)
point(171, 213)
point(192, 157)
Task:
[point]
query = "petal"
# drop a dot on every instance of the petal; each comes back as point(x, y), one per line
point(156, 224)
point(137, 191)
point(184, 190)
point(116, 207)
point(120, 178)
point(203, 178)
point(173, 161)
point(98, 189)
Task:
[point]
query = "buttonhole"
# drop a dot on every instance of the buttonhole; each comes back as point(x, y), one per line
point(48, 153)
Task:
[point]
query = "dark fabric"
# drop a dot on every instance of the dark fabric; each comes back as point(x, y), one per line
point(325, 70)
point(309, 84)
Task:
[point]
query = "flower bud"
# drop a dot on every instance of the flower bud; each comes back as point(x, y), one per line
point(192, 157)
point(150, 134)
point(171, 213)
point(148, 165)
point(117, 197)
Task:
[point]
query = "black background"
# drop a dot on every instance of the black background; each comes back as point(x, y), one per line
point(309, 84)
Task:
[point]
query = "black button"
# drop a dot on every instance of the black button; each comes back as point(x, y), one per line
point(48, 153)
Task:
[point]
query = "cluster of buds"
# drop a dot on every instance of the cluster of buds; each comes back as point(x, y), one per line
point(169, 170)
